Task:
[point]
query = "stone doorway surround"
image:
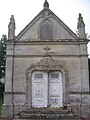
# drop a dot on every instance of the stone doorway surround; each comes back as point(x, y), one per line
point(47, 64)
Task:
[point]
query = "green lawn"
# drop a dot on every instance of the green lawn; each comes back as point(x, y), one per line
point(1, 102)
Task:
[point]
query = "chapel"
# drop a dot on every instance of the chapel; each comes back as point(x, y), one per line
point(47, 67)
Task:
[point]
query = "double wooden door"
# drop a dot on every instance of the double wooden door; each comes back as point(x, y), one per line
point(47, 89)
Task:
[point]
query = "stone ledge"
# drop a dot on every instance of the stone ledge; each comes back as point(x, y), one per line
point(14, 93)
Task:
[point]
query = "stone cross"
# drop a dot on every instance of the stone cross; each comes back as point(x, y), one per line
point(47, 50)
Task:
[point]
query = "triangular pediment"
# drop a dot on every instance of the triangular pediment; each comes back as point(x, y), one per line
point(58, 31)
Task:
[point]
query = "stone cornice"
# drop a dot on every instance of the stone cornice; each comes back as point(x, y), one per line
point(63, 56)
point(47, 42)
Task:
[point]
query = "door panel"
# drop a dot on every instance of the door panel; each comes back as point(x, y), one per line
point(39, 89)
point(47, 89)
point(55, 89)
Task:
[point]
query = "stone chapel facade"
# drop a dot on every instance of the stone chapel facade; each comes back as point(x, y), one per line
point(47, 66)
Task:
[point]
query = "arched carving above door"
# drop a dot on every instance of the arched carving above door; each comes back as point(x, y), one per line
point(47, 64)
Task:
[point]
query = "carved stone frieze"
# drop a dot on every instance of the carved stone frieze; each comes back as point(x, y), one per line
point(47, 63)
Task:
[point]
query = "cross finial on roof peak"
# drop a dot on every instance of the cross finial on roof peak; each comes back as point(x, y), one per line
point(46, 4)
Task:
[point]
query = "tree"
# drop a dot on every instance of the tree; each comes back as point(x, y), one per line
point(2, 62)
point(2, 56)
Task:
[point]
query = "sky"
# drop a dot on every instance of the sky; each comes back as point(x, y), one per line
point(25, 10)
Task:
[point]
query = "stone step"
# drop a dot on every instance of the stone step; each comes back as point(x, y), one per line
point(46, 114)
point(46, 110)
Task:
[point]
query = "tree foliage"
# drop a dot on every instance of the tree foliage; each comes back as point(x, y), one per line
point(2, 62)
point(2, 56)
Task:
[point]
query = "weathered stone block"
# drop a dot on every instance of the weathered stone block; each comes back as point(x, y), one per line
point(8, 111)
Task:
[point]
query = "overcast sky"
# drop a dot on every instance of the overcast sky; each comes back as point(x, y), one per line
point(25, 10)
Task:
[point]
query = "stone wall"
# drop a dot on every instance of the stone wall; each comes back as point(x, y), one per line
point(25, 55)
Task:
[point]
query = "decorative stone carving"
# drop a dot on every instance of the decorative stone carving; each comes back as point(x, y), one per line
point(11, 28)
point(46, 4)
point(81, 27)
point(47, 50)
point(48, 63)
